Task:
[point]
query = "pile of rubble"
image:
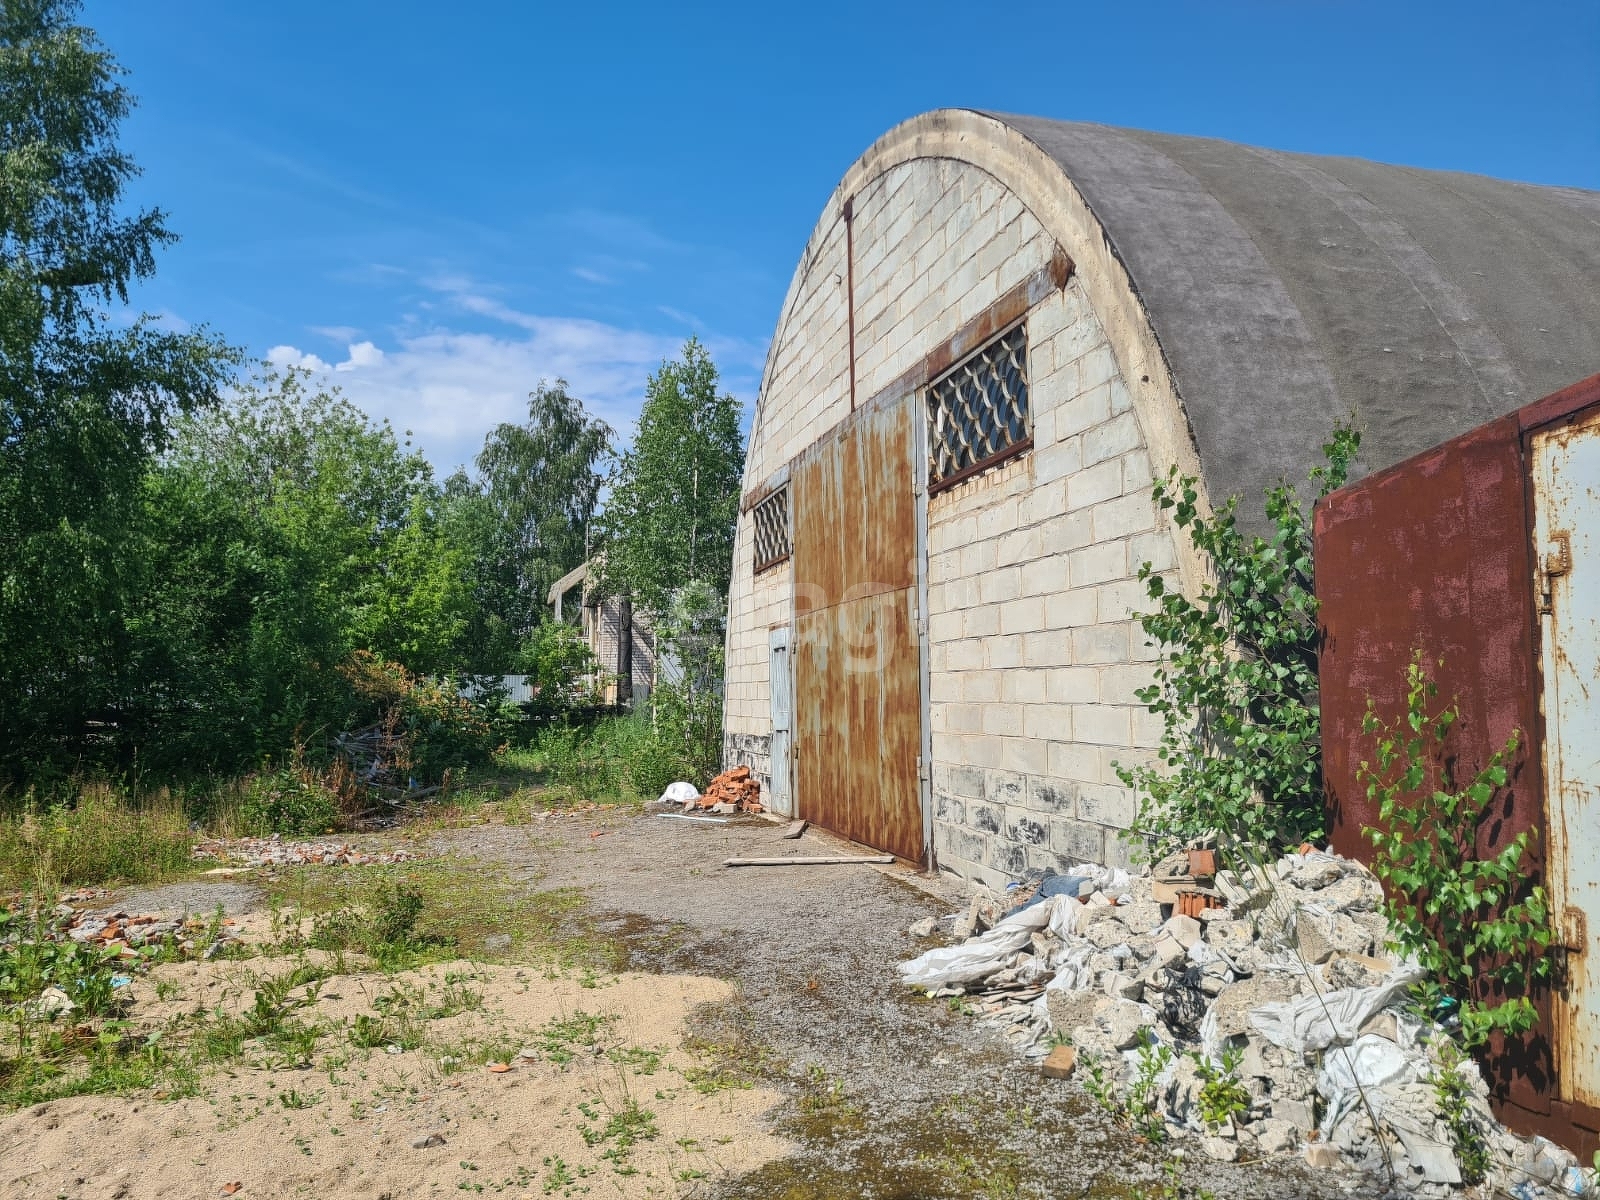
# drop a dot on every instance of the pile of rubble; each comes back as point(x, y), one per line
point(127, 934)
point(275, 852)
point(1282, 975)
point(733, 791)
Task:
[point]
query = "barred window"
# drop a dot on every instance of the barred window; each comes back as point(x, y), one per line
point(772, 529)
point(978, 412)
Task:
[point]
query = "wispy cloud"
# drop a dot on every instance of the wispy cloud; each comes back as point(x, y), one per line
point(449, 388)
point(335, 333)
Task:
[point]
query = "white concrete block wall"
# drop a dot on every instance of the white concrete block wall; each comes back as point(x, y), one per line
point(1034, 652)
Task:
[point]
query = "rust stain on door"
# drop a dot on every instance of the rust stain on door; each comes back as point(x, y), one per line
point(858, 710)
point(1565, 470)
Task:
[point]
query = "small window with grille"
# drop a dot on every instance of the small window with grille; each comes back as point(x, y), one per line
point(978, 411)
point(772, 529)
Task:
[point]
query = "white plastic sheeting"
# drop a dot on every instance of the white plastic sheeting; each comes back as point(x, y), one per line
point(1330, 1018)
point(984, 955)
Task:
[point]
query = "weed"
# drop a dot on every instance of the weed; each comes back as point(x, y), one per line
point(1223, 1095)
point(1453, 1093)
point(100, 837)
point(1140, 1108)
point(624, 1128)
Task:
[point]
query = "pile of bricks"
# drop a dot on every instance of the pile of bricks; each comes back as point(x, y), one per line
point(735, 789)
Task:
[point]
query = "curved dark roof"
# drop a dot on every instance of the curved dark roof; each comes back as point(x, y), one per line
point(1287, 289)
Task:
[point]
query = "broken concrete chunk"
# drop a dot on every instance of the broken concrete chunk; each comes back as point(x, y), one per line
point(1124, 1023)
point(427, 1141)
point(1274, 1136)
point(1220, 1148)
point(1106, 934)
point(1319, 938)
point(924, 928)
point(1183, 930)
point(1140, 918)
point(1230, 937)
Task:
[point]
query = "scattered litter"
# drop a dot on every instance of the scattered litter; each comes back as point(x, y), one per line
point(232, 1189)
point(1278, 966)
point(812, 861)
point(275, 852)
point(499, 1068)
point(679, 793)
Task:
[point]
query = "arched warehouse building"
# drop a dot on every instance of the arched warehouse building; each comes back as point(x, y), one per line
point(1001, 331)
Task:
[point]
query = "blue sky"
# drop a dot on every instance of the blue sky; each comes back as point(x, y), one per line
point(441, 204)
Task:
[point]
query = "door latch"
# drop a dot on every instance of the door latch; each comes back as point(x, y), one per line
point(1574, 930)
point(1555, 562)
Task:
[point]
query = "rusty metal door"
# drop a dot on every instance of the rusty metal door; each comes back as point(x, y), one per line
point(780, 677)
point(1566, 489)
point(857, 655)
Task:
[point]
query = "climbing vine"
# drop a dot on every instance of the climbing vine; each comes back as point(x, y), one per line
point(1467, 920)
point(1236, 688)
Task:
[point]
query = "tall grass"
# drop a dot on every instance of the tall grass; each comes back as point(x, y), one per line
point(101, 838)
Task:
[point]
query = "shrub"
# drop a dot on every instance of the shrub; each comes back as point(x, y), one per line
point(1236, 689)
point(294, 800)
point(427, 726)
point(1472, 923)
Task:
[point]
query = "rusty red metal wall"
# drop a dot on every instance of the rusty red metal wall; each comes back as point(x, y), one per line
point(858, 698)
point(1435, 554)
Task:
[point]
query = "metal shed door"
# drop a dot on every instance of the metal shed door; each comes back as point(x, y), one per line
point(1566, 479)
point(782, 801)
point(857, 665)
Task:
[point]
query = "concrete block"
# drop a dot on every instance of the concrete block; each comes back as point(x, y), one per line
point(1075, 685)
point(1084, 411)
point(1047, 722)
point(1093, 485)
point(1075, 761)
point(984, 817)
point(1023, 754)
point(1123, 516)
point(1023, 615)
point(1002, 719)
point(1111, 440)
point(1004, 651)
point(1078, 841)
point(1106, 804)
point(1072, 608)
point(1027, 827)
point(1056, 797)
point(1004, 787)
point(1100, 644)
point(1045, 576)
point(1098, 563)
point(1068, 532)
point(1124, 598)
point(967, 781)
point(996, 586)
point(1101, 724)
point(949, 808)
point(1053, 648)
point(1007, 857)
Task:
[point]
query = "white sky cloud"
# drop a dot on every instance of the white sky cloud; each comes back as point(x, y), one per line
point(449, 388)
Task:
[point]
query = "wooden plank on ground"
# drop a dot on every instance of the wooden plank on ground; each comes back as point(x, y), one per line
point(803, 861)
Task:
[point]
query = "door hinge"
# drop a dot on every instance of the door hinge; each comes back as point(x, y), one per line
point(1574, 930)
point(922, 768)
point(1555, 562)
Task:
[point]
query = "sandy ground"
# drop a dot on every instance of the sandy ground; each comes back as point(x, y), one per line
point(865, 1090)
point(520, 1132)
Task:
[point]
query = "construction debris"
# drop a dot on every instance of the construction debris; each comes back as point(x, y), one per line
point(735, 788)
point(1277, 973)
point(793, 830)
point(275, 852)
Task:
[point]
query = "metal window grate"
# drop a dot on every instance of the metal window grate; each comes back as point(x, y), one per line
point(978, 413)
point(772, 529)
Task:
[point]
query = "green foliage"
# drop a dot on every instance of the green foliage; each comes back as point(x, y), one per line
point(556, 662)
point(36, 954)
point(1474, 924)
point(433, 728)
point(1453, 1093)
point(85, 401)
point(1140, 1108)
point(1223, 1094)
point(675, 493)
point(539, 483)
point(385, 928)
point(93, 835)
point(1236, 689)
point(293, 800)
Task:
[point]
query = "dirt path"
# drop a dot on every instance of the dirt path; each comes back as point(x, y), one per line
point(789, 1063)
point(889, 1095)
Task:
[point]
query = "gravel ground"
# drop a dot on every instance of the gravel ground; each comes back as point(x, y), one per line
point(890, 1095)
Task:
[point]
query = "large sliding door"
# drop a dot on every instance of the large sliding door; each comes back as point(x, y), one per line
point(857, 658)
